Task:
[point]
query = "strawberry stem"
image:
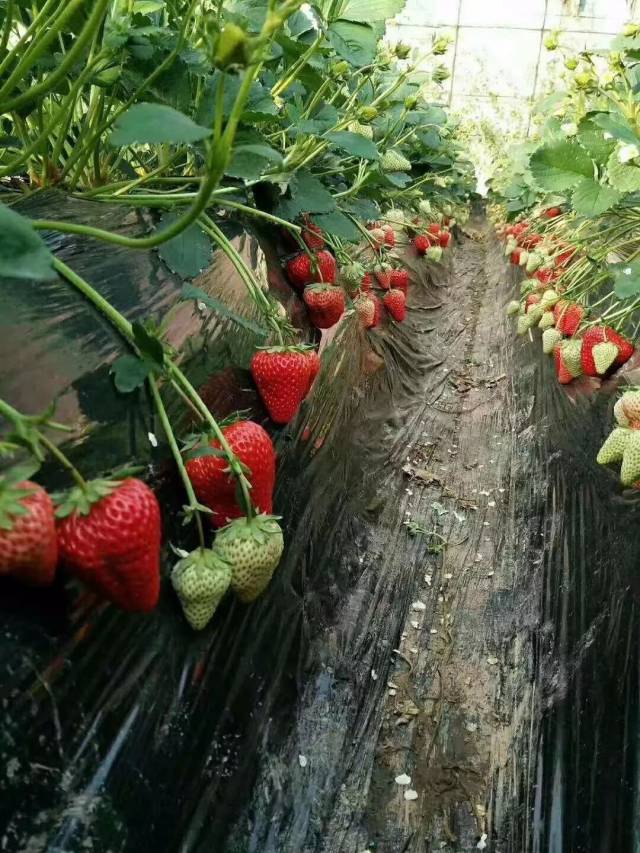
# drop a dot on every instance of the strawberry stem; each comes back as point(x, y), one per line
point(175, 450)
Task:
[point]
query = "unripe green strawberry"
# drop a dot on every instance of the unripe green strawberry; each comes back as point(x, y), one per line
point(513, 308)
point(351, 275)
point(630, 470)
point(232, 48)
point(534, 315)
point(550, 337)
point(200, 580)
point(604, 355)
point(367, 113)
point(618, 412)
point(424, 207)
point(534, 261)
point(549, 299)
point(362, 129)
point(526, 287)
point(510, 246)
point(524, 324)
point(571, 63)
point(547, 321)
point(524, 257)
point(253, 547)
point(434, 254)
point(571, 351)
point(394, 161)
point(613, 448)
point(631, 407)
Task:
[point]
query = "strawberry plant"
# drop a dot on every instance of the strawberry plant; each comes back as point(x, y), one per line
point(276, 114)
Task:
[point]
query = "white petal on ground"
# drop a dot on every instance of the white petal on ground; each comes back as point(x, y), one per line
point(411, 795)
point(403, 779)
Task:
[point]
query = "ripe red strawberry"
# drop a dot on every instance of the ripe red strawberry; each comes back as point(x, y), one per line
point(530, 241)
point(394, 302)
point(312, 234)
point(598, 335)
point(326, 304)
point(281, 375)
point(109, 538)
point(400, 280)
point(545, 277)
point(434, 229)
point(568, 316)
point(314, 363)
point(299, 270)
point(366, 310)
point(28, 544)
point(565, 258)
point(326, 267)
point(216, 487)
point(383, 276)
point(422, 244)
point(389, 236)
point(445, 239)
point(514, 257)
point(447, 221)
point(367, 282)
point(377, 303)
point(567, 358)
point(552, 212)
point(378, 236)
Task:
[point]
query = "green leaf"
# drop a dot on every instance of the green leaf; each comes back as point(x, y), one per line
point(338, 225)
point(129, 373)
point(23, 252)
point(146, 7)
point(367, 11)
point(591, 137)
point(398, 179)
point(188, 253)
point(251, 161)
point(363, 209)
point(617, 126)
point(623, 176)
point(354, 144)
point(354, 42)
point(190, 292)
point(308, 195)
point(560, 166)
point(155, 123)
point(591, 198)
point(626, 279)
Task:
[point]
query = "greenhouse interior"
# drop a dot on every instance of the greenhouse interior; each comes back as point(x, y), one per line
point(319, 426)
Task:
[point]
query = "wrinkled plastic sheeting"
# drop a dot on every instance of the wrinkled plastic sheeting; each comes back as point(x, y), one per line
point(124, 732)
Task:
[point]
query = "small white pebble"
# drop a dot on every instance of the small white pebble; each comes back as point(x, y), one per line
point(419, 606)
point(490, 574)
point(427, 580)
point(374, 675)
point(403, 779)
point(415, 625)
point(392, 692)
point(302, 760)
point(448, 576)
point(433, 631)
point(492, 661)
point(413, 651)
point(491, 503)
point(411, 795)
point(153, 441)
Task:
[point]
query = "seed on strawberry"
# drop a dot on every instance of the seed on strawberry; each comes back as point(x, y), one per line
point(299, 270)
point(394, 302)
point(550, 337)
point(281, 375)
point(400, 280)
point(366, 310)
point(214, 484)
point(326, 304)
point(28, 543)
point(200, 580)
point(109, 538)
point(421, 244)
point(613, 448)
point(630, 470)
point(312, 234)
point(253, 548)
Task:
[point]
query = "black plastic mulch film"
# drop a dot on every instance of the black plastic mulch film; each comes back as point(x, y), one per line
point(130, 733)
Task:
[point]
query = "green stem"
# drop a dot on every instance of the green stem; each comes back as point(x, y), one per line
point(175, 450)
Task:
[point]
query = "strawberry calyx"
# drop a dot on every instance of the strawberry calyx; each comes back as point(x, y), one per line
point(14, 488)
point(80, 499)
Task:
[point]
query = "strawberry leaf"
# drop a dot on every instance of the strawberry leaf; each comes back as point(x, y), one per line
point(354, 144)
point(196, 293)
point(23, 253)
point(560, 166)
point(626, 279)
point(129, 373)
point(591, 198)
point(189, 252)
point(155, 123)
point(149, 344)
